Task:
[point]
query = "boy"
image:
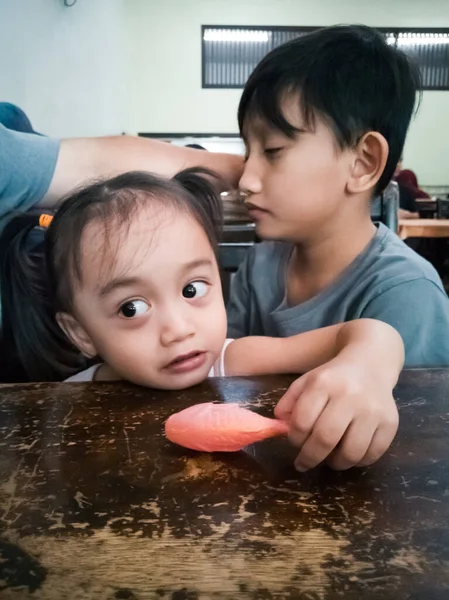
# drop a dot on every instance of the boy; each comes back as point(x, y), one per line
point(324, 119)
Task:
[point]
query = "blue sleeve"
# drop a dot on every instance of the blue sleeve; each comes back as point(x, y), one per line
point(419, 311)
point(239, 304)
point(27, 165)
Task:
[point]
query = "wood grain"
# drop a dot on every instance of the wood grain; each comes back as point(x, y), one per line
point(96, 504)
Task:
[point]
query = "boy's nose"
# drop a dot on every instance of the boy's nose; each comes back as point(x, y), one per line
point(250, 181)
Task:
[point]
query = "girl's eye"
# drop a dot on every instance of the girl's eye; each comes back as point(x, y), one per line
point(134, 308)
point(196, 289)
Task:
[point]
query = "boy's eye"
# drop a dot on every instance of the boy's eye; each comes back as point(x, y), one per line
point(196, 289)
point(272, 151)
point(133, 308)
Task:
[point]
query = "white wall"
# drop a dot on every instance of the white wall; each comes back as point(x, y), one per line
point(65, 66)
point(165, 42)
point(427, 147)
point(107, 66)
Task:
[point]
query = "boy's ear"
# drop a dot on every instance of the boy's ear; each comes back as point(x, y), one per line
point(76, 334)
point(371, 155)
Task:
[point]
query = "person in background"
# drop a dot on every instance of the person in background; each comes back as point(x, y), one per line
point(409, 192)
point(407, 178)
point(36, 171)
point(12, 117)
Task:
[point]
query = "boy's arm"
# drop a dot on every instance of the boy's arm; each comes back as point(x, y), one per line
point(365, 340)
point(419, 311)
point(343, 410)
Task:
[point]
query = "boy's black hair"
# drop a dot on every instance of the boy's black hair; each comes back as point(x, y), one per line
point(348, 76)
point(36, 285)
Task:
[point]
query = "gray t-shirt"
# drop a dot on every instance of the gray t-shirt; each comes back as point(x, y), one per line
point(27, 164)
point(387, 281)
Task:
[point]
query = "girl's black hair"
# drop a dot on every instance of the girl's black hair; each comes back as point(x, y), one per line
point(37, 280)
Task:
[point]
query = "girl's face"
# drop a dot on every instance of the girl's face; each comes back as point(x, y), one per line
point(150, 302)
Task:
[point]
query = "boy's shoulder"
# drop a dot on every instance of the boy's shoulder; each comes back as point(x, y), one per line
point(387, 281)
point(387, 261)
point(397, 263)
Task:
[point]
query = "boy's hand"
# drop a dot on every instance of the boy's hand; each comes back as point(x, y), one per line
point(343, 412)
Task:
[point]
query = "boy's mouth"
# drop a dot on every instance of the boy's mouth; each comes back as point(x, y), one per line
point(252, 208)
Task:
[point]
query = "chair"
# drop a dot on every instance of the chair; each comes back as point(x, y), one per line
point(237, 239)
point(384, 208)
point(427, 208)
point(442, 209)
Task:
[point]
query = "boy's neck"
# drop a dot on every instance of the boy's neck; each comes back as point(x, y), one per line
point(317, 264)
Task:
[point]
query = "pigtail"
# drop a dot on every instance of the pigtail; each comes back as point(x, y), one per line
point(203, 186)
point(32, 346)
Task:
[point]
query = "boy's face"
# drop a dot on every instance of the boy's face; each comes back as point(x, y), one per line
point(296, 187)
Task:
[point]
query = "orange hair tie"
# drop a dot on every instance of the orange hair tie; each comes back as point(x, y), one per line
point(45, 220)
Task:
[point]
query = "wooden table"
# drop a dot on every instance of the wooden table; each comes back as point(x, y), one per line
point(423, 228)
point(97, 504)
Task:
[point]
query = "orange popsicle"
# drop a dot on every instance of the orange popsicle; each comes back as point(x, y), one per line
point(211, 427)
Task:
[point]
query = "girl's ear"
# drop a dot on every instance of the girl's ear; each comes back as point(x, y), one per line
point(76, 334)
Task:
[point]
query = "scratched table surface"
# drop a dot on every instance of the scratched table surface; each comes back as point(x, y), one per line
point(96, 504)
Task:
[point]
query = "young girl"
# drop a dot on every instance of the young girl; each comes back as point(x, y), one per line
point(131, 279)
